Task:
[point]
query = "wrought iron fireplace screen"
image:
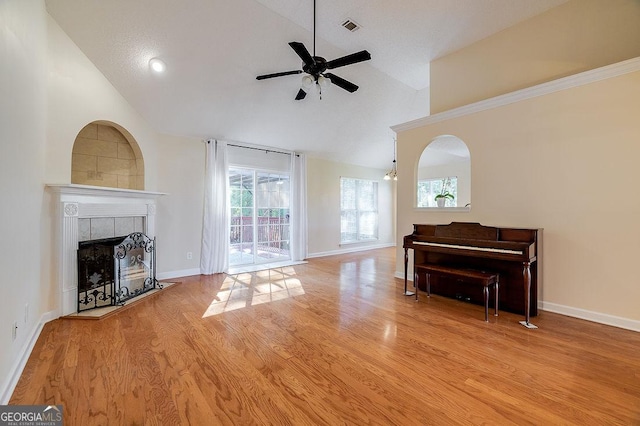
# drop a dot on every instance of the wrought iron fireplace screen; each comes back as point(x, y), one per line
point(114, 270)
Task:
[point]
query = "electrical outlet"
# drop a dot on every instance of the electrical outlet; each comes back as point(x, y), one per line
point(14, 331)
point(189, 255)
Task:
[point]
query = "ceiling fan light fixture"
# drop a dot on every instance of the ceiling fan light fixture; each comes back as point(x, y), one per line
point(307, 81)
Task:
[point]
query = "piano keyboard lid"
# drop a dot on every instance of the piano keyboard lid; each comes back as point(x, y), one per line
point(471, 247)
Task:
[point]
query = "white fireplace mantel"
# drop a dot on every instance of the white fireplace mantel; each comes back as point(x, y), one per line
point(101, 191)
point(76, 202)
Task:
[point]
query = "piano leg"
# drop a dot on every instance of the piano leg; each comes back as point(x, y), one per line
point(428, 285)
point(496, 289)
point(485, 293)
point(526, 271)
point(406, 264)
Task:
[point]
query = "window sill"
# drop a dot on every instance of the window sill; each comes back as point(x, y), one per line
point(349, 243)
point(443, 209)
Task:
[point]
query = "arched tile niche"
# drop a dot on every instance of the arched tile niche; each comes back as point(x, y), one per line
point(446, 159)
point(106, 154)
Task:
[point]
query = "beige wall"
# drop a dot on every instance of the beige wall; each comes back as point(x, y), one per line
point(565, 162)
point(179, 214)
point(323, 186)
point(577, 36)
point(23, 107)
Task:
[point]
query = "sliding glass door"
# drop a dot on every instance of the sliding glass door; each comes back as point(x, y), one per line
point(242, 190)
point(259, 204)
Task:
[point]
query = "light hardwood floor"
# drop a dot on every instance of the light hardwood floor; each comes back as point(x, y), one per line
point(330, 342)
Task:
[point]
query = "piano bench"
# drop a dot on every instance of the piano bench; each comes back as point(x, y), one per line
point(486, 279)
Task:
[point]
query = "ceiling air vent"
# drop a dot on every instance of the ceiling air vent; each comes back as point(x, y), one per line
point(351, 25)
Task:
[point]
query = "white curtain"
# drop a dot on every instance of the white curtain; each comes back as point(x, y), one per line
point(215, 228)
point(298, 218)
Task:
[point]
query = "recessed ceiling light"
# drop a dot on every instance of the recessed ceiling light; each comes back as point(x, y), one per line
point(157, 65)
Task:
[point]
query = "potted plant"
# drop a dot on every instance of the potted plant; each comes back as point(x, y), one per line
point(441, 198)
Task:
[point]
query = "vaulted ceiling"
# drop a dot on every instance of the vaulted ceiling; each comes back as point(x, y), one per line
point(214, 49)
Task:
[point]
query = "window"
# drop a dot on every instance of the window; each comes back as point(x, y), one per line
point(429, 188)
point(358, 210)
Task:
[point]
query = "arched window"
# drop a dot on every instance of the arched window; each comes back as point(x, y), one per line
point(444, 173)
point(105, 154)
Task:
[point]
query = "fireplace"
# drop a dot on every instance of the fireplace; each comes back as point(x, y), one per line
point(114, 270)
point(96, 273)
point(88, 213)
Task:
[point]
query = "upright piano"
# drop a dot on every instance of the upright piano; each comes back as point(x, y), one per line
point(514, 253)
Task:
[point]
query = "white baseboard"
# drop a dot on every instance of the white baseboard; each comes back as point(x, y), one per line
point(176, 274)
point(349, 250)
point(23, 356)
point(400, 274)
point(598, 317)
point(570, 311)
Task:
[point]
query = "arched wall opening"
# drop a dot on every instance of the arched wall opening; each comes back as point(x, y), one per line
point(444, 167)
point(106, 154)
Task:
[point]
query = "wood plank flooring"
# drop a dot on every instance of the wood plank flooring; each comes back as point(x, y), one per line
point(330, 342)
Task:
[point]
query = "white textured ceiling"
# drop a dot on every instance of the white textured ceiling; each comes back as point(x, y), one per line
point(214, 49)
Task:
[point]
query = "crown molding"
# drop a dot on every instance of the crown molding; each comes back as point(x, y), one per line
point(576, 80)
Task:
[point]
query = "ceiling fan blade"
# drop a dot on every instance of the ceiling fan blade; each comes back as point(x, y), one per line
point(301, 94)
point(341, 82)
point(349, 59)
point(302, 52)
point(278, 74)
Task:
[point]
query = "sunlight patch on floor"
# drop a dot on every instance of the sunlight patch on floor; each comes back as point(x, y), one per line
point(264, 266)
point(255, 288)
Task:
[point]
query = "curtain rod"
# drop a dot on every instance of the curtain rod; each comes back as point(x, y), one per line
point(266, 150)
point(260, 149)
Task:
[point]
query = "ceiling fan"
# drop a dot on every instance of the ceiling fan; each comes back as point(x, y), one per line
point(316, 66)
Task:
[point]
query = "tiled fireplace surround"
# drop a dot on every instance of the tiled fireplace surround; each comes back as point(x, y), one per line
point(87, 213)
